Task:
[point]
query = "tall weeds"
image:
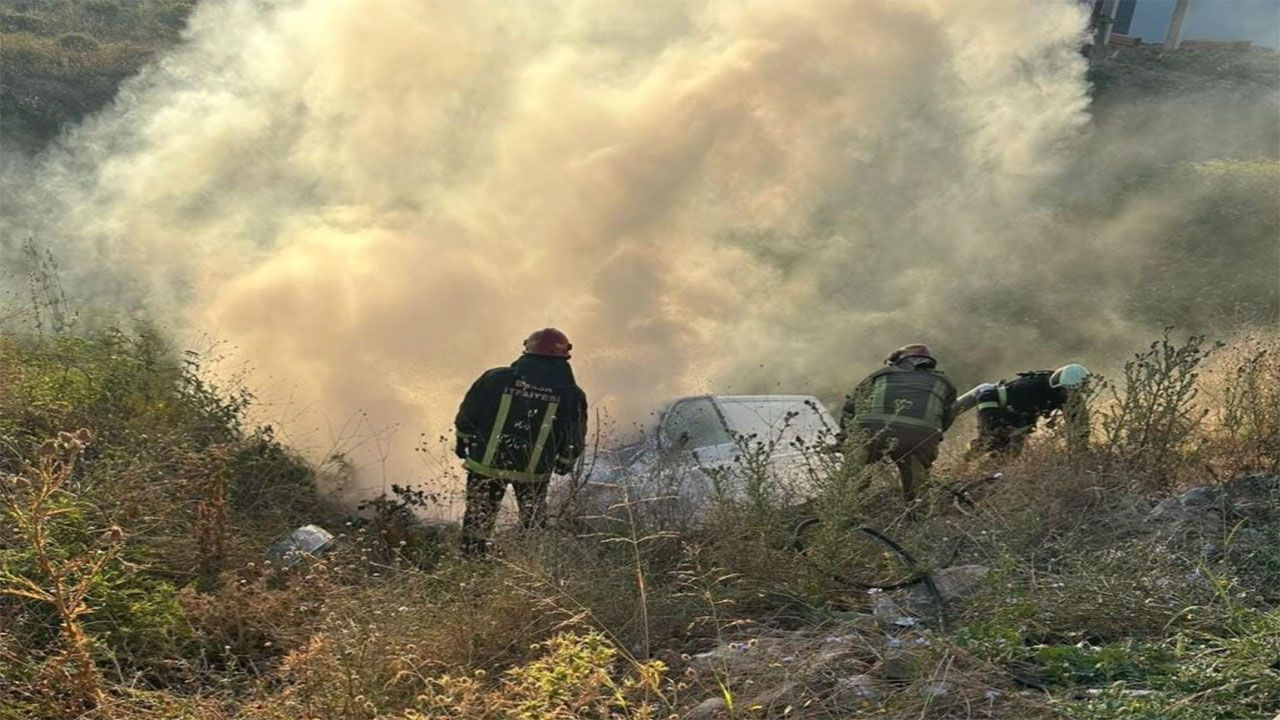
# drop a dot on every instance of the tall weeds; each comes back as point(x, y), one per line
point(63, 570)
point(661, 609)
point(1247, 404)
point(1149, 426)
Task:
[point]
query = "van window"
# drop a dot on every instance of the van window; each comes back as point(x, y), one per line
point(697, 418)
point(775, 419)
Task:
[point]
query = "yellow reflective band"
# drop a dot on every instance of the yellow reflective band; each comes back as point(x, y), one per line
point(895, 420)
point(878, 389)
point(543, 433)
point(1003, 393)
point(988, 405)
point(933, 411)
point(495, 434)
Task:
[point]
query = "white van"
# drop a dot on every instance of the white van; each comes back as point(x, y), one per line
point(706, 447)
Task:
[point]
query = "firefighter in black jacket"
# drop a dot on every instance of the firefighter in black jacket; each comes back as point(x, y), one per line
point(901, 412)
point(1008, 411)
point(519, 424)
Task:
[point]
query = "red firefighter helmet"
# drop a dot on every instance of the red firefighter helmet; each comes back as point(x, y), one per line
point(548, 341)
point(919, 350)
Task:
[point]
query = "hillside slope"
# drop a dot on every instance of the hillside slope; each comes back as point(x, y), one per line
point(138, 509)
point(61, 60)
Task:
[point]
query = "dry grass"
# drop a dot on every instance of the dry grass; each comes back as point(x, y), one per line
point(62, 59)
point(639, 621)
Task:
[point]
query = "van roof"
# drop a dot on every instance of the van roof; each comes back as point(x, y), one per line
point(764, 398)
point(746, 398)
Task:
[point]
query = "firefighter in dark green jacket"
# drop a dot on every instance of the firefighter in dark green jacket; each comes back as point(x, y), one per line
point(900, 412)
point(518, 425)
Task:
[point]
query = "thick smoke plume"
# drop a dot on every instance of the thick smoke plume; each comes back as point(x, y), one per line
point(375, 201)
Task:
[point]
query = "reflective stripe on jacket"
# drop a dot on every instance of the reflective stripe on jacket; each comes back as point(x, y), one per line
point(922, 398)
point(523, 422)
point(1028, 396)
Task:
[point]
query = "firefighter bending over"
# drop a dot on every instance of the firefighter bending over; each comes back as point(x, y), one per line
point(1008, 411)
point(519, 424)
point(902, 410)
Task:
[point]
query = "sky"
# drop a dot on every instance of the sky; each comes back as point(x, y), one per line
point(1255, 20)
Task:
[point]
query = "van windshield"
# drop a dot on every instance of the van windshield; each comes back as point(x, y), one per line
point(694, 423)
point(783, 418)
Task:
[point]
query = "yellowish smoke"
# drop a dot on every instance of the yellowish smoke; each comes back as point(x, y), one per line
point(373, 202)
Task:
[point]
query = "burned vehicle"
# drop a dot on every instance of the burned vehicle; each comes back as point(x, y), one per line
point(706, 448)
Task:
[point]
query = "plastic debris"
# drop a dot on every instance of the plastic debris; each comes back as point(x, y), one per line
point(935, 689)
point(308, 540)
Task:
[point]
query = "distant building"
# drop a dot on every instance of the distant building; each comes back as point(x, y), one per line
point(1212, 25)
point(1255, 21)
point(1123, 18)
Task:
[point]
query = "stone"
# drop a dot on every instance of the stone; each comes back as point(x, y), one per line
point(1256, 495)
point(1253, 484)
point(1166, 510)
point(706, 710)
point(1202, 496)
point(898, 666)
point(864, 623)
point(1202, 503)
point(861, 686)
point(959, 582)
point(953, 583)
point(1211, 552)
point(773, 702)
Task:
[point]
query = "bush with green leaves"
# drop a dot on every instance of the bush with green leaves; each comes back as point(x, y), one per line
point(1149, 426)
point(1229, 676)
point(171, 492)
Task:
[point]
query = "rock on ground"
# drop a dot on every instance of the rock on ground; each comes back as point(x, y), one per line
point(708, 709)
point(953, 584)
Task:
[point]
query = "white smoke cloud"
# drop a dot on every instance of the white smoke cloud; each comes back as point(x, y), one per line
point(376, 201)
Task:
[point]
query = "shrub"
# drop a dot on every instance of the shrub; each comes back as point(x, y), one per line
point(1224, 677)
point(77, 43)
point(1246, 395)
point(63, 60)
point(1149, 427)
point(11, 22)
point(176, 484)
point(577, 677)
point(106, 9)
point(1086, 600)
point(59, 564)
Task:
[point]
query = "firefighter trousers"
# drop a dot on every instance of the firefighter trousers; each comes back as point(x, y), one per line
point(1000, 431)
point(484, 499)
point(912, 449)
